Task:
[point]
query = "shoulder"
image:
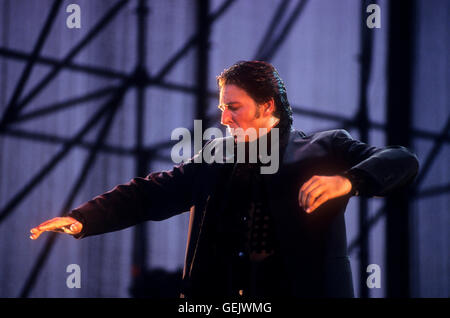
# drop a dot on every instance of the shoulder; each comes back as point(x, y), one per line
point(321, 135)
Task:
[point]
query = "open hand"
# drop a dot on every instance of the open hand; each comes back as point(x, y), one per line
point(320, 189)
point(61, 224)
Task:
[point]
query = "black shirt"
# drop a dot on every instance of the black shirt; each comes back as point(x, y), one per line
point(247, 242)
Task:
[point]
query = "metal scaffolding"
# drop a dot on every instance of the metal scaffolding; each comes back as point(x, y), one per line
point(140, 79)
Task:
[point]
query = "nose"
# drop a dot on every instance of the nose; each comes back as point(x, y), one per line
point(226, 117)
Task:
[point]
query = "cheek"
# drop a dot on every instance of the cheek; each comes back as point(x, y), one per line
point(236, 117)
point(242, 117)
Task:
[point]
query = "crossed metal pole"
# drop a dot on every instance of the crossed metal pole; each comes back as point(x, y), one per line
point(139, 80)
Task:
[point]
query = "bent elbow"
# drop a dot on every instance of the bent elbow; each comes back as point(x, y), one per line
point(414, 164)
point(411, 164)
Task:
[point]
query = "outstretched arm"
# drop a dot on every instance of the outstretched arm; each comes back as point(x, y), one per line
point(156, 197)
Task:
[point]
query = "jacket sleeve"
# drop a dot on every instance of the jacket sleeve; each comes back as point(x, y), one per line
point(156, 197)
point(380, 170)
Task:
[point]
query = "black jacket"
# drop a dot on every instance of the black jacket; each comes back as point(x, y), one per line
point(313, 246)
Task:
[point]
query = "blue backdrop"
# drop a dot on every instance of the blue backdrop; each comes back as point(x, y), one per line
point(318, 56)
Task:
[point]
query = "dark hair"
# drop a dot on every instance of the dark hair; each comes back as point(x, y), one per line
point(262, 82)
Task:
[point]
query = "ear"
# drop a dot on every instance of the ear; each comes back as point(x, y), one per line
point(269, 107)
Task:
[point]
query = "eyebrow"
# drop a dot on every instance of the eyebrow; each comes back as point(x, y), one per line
point(228, 104)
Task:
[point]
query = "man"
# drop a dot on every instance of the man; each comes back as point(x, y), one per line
point(254, 234)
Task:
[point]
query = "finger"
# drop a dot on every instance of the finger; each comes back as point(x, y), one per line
point(306, 194)
point(76, 227)
point(304, 191)
point(319, 201)
point(307, 183)
point(34, 235)
point(59, 230)
point(42, 228)
point(46, 223)
point(72, 229)
point(313, 195)
point(54, 224)
point(50, 225)
point(35, 230)
point(301, 192)
point(66, 230)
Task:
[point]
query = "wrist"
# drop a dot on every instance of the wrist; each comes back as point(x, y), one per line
point(355, 181)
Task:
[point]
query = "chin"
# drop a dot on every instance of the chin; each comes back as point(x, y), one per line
point(230, 131)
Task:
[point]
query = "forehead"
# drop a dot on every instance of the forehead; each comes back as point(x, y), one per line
point(232, 93)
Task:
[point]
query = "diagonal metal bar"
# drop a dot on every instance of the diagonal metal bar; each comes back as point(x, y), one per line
point(52, 139)
point(302, 110)
point(166, 144)
point(31, 61)
point(57, 68)
point(103, 72)
point(6, 211)
point(429, 135)
point(419, 179)
point(276, 44)
point(278, 15)
point(116, 150)
point(176, 57)
point(179, 87)
point(104, 148)
point(341, 120)
point(433, 191)
point(88, 164)
point(439, 142)
point(191, 42)
point(352, 122)
point(89, 69)
point(45, 110)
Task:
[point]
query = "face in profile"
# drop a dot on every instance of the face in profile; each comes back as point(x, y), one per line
point(239, 110)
